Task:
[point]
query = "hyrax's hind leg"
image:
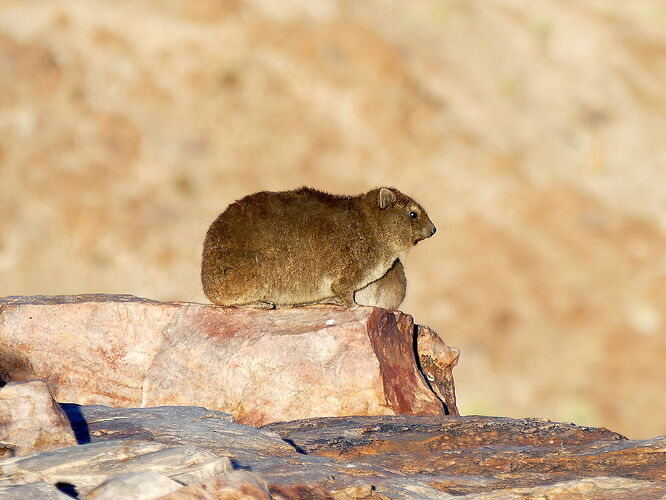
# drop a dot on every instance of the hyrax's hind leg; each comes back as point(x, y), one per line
point(232, 278)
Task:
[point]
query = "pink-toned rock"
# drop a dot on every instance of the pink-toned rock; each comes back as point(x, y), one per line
point(144, 485)
point(238, 485)
point(261, 366)
point(30, 420)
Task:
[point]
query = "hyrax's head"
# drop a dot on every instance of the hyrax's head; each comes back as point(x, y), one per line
point(401, 219)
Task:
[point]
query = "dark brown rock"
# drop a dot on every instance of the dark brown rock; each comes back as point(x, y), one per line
point(500, 452)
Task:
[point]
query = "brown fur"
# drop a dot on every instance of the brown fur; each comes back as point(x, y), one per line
point(387, 292)
point(304, 246)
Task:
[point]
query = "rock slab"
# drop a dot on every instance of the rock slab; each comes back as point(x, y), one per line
point(143, 485)
point(260, 366)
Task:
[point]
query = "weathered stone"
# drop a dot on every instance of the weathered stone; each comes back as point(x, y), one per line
point(248, 447)
point(238, 485)
point(39, 490)
point(177, 426)
point(30, 420)
point(598, 488)
point(398, 457)
point(105, 344)
point(459, 455)
point(86, 466)
point(437, 361)
point(261, 366)
point(145, 485)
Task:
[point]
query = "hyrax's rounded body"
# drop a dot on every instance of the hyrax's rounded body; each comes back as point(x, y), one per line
point(304, 246)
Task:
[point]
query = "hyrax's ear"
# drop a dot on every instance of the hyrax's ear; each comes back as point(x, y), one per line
point(386, 197)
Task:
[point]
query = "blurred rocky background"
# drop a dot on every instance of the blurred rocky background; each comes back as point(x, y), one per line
point(534, 133)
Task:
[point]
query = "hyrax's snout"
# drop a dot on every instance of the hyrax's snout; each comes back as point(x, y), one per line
point(427, 230)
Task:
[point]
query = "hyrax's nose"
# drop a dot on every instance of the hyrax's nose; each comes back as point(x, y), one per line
point(433, 231)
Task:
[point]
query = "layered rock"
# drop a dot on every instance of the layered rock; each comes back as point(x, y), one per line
point(473, 454)
point(30, 420)
point(38, 489)
point(261, 366)
point(86, 467)
point(397, 457)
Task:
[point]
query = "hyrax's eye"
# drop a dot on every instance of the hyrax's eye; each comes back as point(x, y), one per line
point(413, 215)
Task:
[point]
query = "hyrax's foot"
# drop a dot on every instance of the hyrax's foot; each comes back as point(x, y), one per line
point(319, 303)
point(257, 305)
point(345, 297)
point(337, 301)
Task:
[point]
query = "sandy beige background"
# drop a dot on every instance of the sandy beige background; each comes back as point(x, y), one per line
point(534, 133)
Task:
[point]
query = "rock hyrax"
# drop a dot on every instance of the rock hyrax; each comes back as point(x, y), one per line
point(305, 246)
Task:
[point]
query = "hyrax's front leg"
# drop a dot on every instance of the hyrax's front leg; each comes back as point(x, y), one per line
point(344, 292)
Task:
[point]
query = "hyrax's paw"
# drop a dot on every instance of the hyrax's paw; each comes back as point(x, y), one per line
point(257, 305)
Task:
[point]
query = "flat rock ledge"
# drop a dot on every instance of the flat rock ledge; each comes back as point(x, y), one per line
point(189, 452)
point(260, 366)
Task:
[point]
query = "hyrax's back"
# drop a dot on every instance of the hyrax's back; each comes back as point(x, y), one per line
point(295, 247)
